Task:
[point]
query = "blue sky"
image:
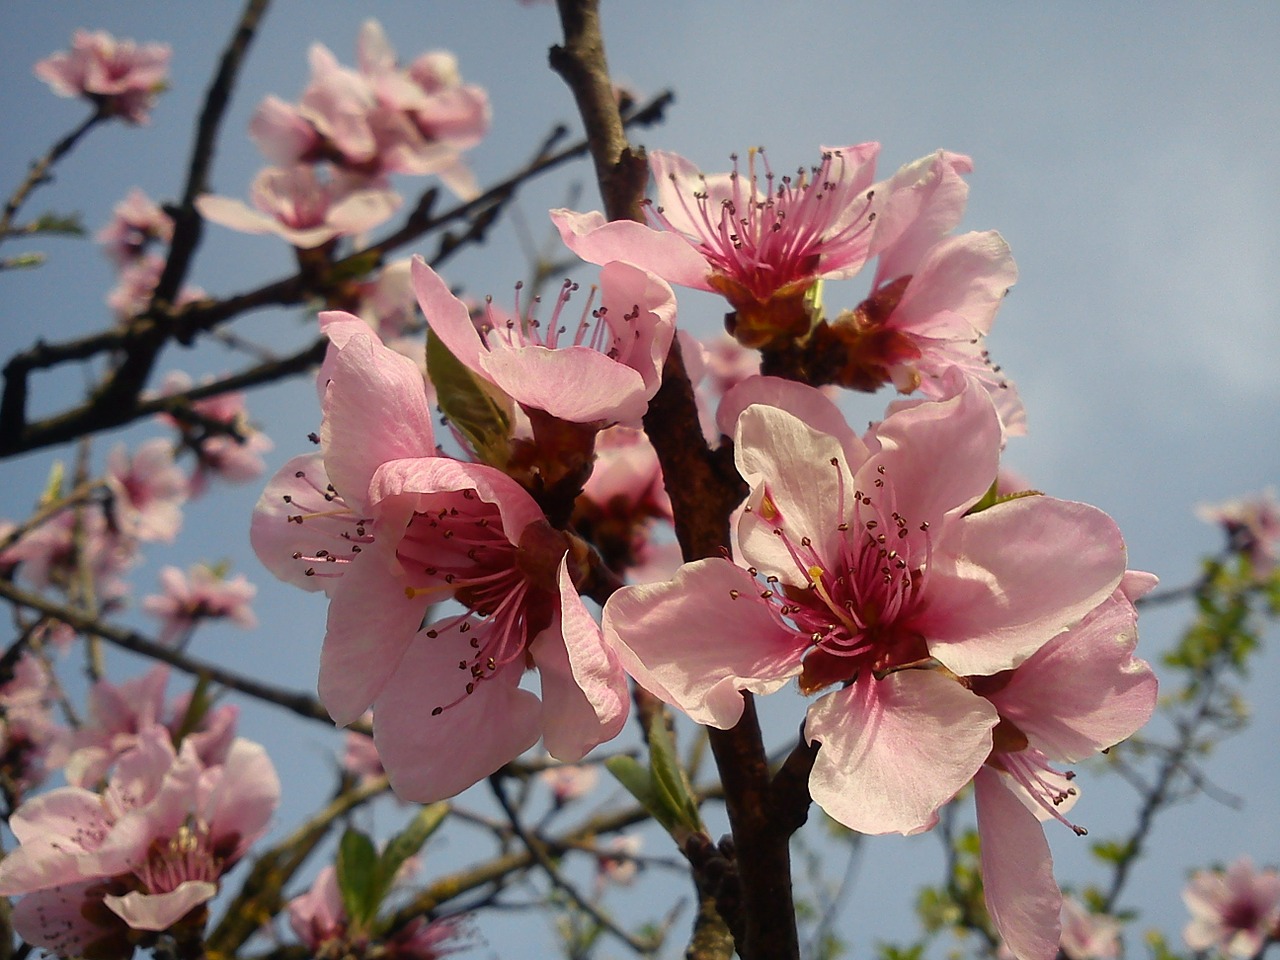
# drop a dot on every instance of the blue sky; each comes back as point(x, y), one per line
point(1126, 152)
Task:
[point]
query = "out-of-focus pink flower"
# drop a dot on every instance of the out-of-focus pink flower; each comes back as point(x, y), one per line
point(30, 740)
point(201, 594)
point(118, 713)
point(616, 861)
point(319, 919)
point(604, 372)
point(760, 245)
point(430, 528)
point(1079, 694)
point(360, 757)
point(570, 781)
point(1236, 911)
point(137, 220)
point(137, 284)
point(622, 498)
point(864, 570)
point(380, 119)
point(388, 302)
point(1252, 524)
point(1088, 936)
point(236, 459)
point(118, 75)
point(51, 553)
point(150, 849)
point(150, 489)
point(303, 208)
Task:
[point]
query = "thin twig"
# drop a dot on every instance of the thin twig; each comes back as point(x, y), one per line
point(39, 171)
point(536, 847)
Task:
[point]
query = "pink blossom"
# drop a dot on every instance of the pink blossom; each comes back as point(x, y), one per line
point(606, 373)
point(863, 568)
point(1252, 524)
point(201, 594)
point(1236, 911)
point(70, 543)
point(570, 781)
point(136, 286)
point(360, 757)
point(302, 208)
point(616, 862)
point(388, 303)
point(760, 245)
point(137, 220)
point(319, 919)
point(1088, 936)
point(236, 459)
point(117, 75)
point(1079, 694)
point(150, 849)
point(30, 739)
point(429, 528)
point(118, 714)
point(381, 118)
point(149, 488)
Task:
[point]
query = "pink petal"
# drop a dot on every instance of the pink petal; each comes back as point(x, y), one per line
point(577, 384)
point(692, 643)
point(448, 317)
point(963, 277)
point(785, 459)
point(962, 432)
point(160, 911)
point(430, 758)
point(895, 750)
point(247, 795)
point(584, 691)
point(1028, 569)
point(800, 400)
point(276, 538)
point(664, 254)
point(920, 203)
point(1017, 872)
point(1098, 691)
point(375, 410)
point(371, 623)
point(362, 210)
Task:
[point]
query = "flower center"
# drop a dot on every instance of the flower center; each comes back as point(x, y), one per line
point(187, 855)
point(598, 329)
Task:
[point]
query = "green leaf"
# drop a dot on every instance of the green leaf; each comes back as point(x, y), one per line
point(669, 780)
point(638, 782)
point(356, 870)
point(405, 844)
point(479, 411)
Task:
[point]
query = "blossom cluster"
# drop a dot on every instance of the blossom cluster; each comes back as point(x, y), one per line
point(333, 150)
point(953, 634)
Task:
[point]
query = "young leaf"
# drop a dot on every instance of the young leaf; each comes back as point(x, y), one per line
point(481, 415)
point(357, 877)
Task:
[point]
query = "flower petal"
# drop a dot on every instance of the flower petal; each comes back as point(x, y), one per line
point(895, 750)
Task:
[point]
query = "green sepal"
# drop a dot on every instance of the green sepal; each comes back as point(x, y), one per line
point(991, 498)
point(481, 413)
point(357, 871)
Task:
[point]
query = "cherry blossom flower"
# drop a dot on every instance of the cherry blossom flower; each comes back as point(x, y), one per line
point(70, 543)
point(760, 245)
point(137, 220)
point(202, 593)
point(1088, 936)
point(118, 714)
point(31, 742)
point(606, 373)
point(1236, 911)
point(622, 498)
point(570, 781)
point(319, 919)
point(308, 211)
point(117, 75)
point(429, 528)
point(149, 488)
point(150, 848)
point(863, 568)
point(1252, 525)
point(381, 118)
point(236, 459)
point(1079, 694)
point(136, 285)
point(616, 862)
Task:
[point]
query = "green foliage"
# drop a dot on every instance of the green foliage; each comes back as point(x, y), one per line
point(481, 414)
point(365, 877)
point(891, 951)
point(662, 789)
point(992, 497)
